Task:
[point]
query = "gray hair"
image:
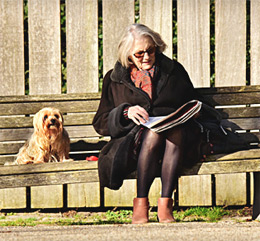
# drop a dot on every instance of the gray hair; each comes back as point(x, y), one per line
point(136, 31)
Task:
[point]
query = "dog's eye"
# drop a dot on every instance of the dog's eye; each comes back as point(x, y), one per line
point(57, 116)
point(45, 117)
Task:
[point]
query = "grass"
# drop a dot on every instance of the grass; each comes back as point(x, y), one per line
point(20, 222)
point(201, 214)
point(196, 214)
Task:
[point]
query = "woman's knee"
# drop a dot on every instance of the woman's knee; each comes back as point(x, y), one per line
point(175, 136)
point(171, 146)
point(152, 139)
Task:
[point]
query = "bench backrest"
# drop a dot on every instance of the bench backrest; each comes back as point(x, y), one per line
point(240, 108)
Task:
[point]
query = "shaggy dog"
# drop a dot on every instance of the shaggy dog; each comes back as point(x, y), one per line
point(49, 142)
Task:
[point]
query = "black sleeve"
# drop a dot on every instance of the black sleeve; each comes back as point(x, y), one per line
point(109, 119)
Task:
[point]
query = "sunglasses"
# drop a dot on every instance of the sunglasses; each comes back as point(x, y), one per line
point(149, 51)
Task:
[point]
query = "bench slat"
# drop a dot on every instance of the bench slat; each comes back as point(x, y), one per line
point(87, 144)
point(22, 121)
point(242, 123)
point(228, 90)
point(10, 147)
point(77, 157)
point(28, 108)
point(240, 112)
point(25, 133)
point(52, 178)
point(61, 173)
point(247, 154)
point(47, 167)
point(234, 98)
point(49, 98)
point(224, 167)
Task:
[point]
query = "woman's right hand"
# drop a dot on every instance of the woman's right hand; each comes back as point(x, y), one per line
point(138, 114)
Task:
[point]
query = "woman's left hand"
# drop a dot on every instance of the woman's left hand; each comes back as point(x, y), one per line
point(138, 114)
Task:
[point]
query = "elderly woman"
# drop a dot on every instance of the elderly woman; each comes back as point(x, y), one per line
point(145, 83)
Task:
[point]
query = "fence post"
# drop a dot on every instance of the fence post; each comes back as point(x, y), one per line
point(82, 46)
point(11, 48)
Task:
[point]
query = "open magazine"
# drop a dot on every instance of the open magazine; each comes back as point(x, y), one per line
point(180, 116)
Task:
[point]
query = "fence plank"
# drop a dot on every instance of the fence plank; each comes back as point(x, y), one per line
point(122, 197)
point(12, 76)
point(230, 64)
point(195, 191)
point(255, 40)
point(47, 197)
point(230, 31)
point(82, 69)
point(117, 15)
point(231, 189)
point(13, 198)
point(44, 47)
point(82, 45)
point(194, 53)
point(11, 48)
point(84, 195)
point(159, 21)
point(194, 40)
point(45, 70)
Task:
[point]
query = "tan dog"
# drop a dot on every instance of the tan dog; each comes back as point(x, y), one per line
point(49, 143)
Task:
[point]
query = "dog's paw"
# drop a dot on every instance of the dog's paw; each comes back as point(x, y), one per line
point(67, 160)
point(35, 162)
point(10, 163)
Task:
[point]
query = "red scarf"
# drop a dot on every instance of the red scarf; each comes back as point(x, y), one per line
point(143, 79)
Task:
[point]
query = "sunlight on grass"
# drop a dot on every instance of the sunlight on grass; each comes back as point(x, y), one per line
point(200, 214)
point(195, 214)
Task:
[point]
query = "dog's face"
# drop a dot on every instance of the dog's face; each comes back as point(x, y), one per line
point(48, 122)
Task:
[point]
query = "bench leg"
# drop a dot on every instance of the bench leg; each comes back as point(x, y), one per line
point(256, 206)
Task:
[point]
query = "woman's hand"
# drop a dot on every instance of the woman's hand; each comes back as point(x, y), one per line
point(138, 114)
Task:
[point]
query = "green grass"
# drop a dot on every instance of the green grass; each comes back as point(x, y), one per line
point(196, 214)
point(201, 214)
point(20, 222)
point(122, 216)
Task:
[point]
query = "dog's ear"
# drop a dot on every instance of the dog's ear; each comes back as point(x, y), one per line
point(37, 122)
point(61, 119)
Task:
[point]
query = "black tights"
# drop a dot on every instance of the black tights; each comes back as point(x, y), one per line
point(155, 147)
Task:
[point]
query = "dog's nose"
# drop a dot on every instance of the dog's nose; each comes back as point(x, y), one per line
point(53, 121)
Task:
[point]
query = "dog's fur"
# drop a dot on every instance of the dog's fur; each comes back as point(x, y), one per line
point(49, 143)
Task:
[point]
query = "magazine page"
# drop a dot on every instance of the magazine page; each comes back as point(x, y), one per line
point(181, 115)
point(152, 120)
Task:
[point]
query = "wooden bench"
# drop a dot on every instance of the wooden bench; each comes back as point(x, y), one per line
point(240, 107)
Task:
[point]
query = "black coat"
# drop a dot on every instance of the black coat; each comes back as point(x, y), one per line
point(173, 88)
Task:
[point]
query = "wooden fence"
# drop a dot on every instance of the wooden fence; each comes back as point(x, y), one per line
point(237, 25)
